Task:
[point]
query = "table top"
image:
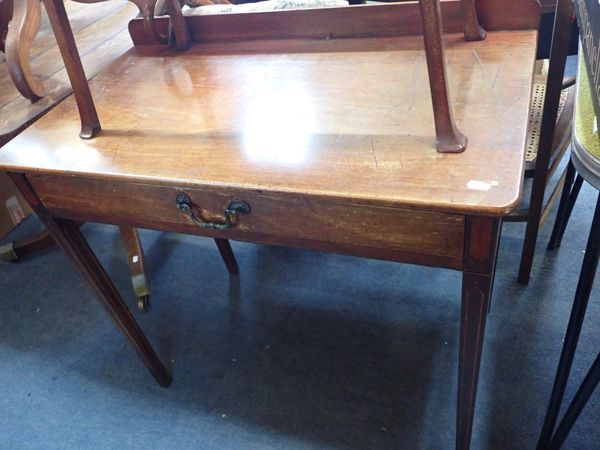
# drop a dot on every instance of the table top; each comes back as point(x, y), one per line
point(347, 119)
point(101, 32)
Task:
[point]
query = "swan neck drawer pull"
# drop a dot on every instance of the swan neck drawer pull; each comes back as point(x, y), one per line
point(235, 207)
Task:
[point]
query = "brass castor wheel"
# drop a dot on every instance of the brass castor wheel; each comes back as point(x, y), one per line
point(144, 303)
point(141, 287)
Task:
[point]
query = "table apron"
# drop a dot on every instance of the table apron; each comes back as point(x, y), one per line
point(288, 219)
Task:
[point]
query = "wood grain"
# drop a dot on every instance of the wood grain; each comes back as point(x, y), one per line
point(260, 116)
point(91, 31)
point(23, 28)
point(284, 217)
point(16, 115)
point(449, 139)
point(101, 35)
point(482, 236)
point(353, 21)
point(90, 124)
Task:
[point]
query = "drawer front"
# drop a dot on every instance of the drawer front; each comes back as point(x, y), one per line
point(293, 219)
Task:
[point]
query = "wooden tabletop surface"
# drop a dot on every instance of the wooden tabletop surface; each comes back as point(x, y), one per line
point(347, 119)
point(101, 33)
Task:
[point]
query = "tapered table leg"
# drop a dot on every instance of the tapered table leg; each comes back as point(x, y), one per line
point(481, 244)
point(227, 254)
point(71, 241)
point(474, 308)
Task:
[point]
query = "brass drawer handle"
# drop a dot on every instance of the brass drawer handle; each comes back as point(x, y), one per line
point(235, 207)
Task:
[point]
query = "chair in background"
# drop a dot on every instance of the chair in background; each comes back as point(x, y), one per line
point(15, 42)
point(549, 136)
point(585, 164)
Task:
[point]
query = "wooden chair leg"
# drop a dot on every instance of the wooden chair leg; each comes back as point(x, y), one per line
point(136, 261)
point(582, 295)
point(227, 255)
point(561, 214)
point(558, 58)
point(21, 33)
point(68, 237)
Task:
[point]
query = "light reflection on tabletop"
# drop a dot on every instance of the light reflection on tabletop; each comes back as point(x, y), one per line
point(277, 129)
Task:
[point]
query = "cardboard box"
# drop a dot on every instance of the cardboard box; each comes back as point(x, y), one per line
point(13, 207)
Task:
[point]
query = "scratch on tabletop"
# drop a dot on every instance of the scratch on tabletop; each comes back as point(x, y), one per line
point(114, 158)
point(495, 78)
point(478, 60)
point(336, 142)
point(373, 151)
point(415, 78)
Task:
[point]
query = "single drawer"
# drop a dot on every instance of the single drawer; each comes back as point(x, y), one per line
point(294, 219)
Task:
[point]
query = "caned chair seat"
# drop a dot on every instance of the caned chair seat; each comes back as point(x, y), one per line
point(535, 116)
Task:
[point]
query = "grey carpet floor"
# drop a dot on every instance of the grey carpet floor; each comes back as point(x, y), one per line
point(302, 350)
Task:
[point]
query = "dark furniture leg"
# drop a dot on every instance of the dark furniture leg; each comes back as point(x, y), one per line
point(16, 250)
point(90, 124)
point(562, 207)
point(473, 31)
point(582, 295)
point(564, 221)
point(23, 28)
point(582, 396)
point(570, 206)
point(227, 255)
point(183, 41)
point(68, 237)
point(136, 261)
point(481, 245)
point(558, 58)
point(449, 139)
point(475, 302)
point(13, 251)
